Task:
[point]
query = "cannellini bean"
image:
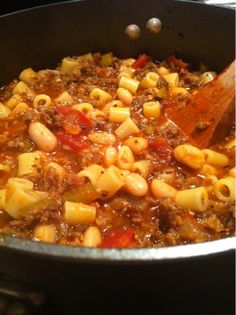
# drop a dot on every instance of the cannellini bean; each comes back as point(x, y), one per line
point(103, 138)
point(92, 237)
point(125, 158)
point(161, 189)
point(189, 155)
point(136, 185)
point(125, 96)
point(110, 156)
point(137, 144)
point(42, 137)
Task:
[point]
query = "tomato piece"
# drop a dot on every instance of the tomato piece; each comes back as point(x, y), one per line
point(75, 142)
point(177, 62)
point(140, 62)
point(119, 239)
point(161, 147)
point(75, 116)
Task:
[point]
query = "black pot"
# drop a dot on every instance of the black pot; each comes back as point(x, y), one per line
point(188, 279)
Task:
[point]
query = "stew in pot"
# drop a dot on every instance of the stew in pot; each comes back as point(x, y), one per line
point(89, 158)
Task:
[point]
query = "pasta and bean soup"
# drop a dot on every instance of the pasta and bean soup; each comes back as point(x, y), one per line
point(89, 158)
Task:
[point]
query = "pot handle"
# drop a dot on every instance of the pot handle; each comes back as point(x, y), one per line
point(16, 298)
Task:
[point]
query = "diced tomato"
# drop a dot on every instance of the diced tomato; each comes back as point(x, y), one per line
point(75, 142)
point(177, 62)
point(75, 116)
point(119, 239)
point(140, 62)
point(160, 147)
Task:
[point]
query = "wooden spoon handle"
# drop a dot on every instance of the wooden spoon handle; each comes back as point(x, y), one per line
point(209, 114)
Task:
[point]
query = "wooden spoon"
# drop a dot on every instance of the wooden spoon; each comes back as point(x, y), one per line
point(209, 114)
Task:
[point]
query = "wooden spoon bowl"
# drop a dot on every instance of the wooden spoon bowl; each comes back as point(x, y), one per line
point(208, 116)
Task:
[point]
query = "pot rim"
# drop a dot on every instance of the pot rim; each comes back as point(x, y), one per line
point(41, 6)
point(65, 252)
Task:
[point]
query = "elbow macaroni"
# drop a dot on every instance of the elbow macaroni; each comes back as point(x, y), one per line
point(126, 129)
point(195, 199)
point(224, 189)
point(151, 109)
point(28, 75)
point(150, 80)
point(42, 99)
point(100, 95)
point(215, 158)
point(29, 163)
point(142, 167)
point(92, 172)
point(119, 114)
point(19, 195)
point(79, 213)
point(4, 111)
point(129, 84)
point(110, 182)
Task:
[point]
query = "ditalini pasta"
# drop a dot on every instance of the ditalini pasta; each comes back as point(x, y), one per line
point(88, 157)
point(195, 199)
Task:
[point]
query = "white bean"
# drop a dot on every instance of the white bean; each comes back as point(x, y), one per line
point(136, 185)
point(92, 237)
point(42, 137)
